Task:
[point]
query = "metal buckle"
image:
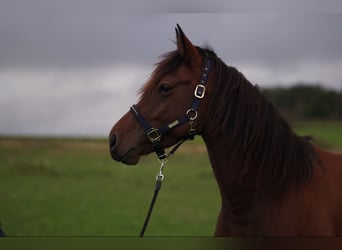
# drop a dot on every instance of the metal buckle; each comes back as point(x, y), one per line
point(199, 91)
point(154, 135)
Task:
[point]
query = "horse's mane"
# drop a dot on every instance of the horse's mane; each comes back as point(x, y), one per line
point(258, 136)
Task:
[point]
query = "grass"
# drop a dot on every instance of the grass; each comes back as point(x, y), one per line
point(71, 187)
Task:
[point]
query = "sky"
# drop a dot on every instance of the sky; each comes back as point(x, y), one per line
point(74, 67)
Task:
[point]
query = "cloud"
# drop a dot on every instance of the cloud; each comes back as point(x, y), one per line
point(61, 102)
point(307, 72)
point(74, 67)
point(81, 40)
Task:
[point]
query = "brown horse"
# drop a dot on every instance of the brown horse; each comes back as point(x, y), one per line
point(272, 182)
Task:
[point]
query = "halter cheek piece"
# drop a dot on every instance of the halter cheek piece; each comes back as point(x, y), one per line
point(155, 134)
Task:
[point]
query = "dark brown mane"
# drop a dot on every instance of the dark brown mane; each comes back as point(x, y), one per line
point(257, 135)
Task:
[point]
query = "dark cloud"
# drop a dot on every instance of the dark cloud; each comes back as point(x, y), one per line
point(87, 33)
point(276, 39)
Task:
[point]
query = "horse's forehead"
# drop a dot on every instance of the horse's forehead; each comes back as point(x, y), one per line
point(159, 75)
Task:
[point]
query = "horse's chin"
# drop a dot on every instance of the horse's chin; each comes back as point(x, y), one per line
point(131, 161)
point(131, 157)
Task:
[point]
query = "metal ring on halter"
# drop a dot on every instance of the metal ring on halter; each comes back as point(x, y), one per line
point(192, 114)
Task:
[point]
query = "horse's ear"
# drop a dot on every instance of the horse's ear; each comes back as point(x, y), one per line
point(186, 49)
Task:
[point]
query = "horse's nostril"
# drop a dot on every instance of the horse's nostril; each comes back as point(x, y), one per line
point(113, 141)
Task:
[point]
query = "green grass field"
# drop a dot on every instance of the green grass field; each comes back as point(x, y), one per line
point(71, 187)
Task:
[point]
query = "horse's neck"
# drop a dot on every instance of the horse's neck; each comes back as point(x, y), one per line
point(236, 192)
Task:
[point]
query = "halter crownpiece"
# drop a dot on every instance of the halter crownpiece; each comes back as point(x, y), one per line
point(155, 134)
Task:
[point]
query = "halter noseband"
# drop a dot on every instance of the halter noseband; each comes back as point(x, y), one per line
point(155, 134)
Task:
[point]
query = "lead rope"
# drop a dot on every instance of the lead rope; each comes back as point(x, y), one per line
point(159, 179)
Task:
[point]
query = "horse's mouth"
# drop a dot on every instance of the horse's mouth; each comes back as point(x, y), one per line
point(131, 157)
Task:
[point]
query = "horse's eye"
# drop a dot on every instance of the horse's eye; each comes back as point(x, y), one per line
point(164, 88)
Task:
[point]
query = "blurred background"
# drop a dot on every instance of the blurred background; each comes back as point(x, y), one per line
point(70, 69)
point(74, 67)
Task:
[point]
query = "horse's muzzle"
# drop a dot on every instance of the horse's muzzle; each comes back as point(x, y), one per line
point(130, 157)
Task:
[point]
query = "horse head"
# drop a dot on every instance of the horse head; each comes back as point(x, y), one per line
point(168, 109)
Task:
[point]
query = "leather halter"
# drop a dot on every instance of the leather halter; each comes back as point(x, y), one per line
point(155, 134)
